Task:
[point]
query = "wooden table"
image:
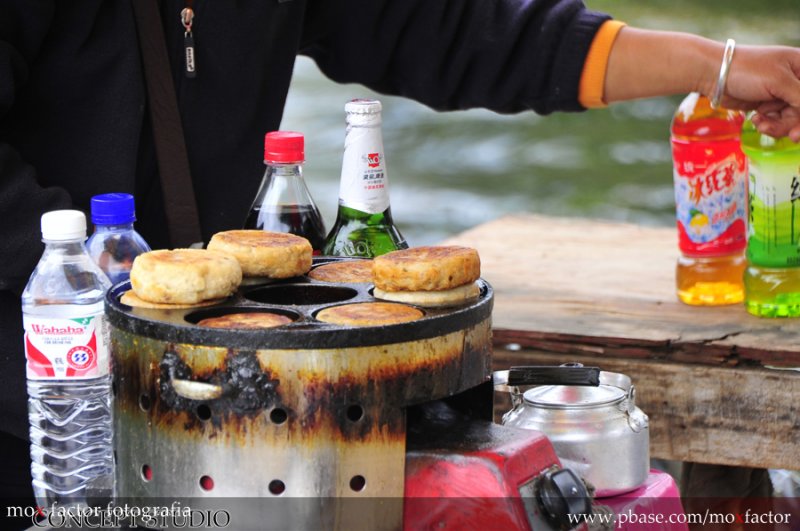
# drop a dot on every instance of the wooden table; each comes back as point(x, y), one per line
point(717, 383)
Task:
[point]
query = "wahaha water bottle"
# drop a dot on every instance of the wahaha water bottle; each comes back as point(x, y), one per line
point(772, 279)
point(68, 369)
point(710, 174)
point(115, 243)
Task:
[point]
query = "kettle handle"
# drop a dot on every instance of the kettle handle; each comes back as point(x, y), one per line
point(548, 375)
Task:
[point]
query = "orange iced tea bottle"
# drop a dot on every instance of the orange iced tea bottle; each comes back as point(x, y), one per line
point(710, 173)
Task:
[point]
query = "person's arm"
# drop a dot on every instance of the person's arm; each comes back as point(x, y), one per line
point(644, 63)
point(507, 56)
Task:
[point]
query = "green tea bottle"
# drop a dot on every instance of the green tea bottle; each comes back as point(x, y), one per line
point(772, 277)
point(364, 225)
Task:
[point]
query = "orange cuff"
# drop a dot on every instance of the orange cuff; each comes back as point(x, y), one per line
point(593, 77)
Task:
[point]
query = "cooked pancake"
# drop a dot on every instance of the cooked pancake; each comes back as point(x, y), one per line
point(369, 314)
point(248, 320)
point(426, 268)
point(344, 271)
point(184, 276)
point(265, 254)
point(130, 298)
point(432, 299)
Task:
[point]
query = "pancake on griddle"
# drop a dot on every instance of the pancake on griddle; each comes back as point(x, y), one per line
point(347, 271)
point(184, 276)
point(432, 276)
point(369, 314)
point(265, 254)
point(246, 320)
point(130, 298)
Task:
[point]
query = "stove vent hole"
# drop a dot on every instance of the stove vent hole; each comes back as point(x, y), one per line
point(355, 413)
point(206, 483)
point(203, 412)
point(147, 472)
point(144, 402)
point(357, 483)
point(277, 487)
point(278, 416)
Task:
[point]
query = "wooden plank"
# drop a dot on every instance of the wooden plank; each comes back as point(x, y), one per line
point(576, 284)
point(731, 416)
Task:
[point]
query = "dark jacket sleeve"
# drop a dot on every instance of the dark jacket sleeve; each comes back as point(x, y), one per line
point(23, 25)
point(504, 55)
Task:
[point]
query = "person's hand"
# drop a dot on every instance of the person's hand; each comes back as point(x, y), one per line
point(766, 79)
point(777, 120)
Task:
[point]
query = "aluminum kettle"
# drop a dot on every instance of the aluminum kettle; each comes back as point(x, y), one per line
point(590, 417)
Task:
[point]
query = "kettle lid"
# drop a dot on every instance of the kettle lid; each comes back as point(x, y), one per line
point(573, 396)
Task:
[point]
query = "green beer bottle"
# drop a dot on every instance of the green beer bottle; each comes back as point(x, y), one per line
point(772, 277)
point(364, 225)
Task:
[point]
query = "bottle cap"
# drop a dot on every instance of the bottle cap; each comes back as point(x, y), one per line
point(61, 225)
point(113, 209)
point(363, 113)
point(362, 106)
point(284, 147)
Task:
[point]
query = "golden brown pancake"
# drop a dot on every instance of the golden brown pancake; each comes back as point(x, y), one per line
point(432, 299)
point(184, 276)
point(426, 268)
point(345, 271)
point(246, 320)
point(265, 254)
point(130, 298)
point(369, 314)
point(431, 277)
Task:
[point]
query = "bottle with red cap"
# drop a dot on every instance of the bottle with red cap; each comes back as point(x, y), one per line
point(283, 202)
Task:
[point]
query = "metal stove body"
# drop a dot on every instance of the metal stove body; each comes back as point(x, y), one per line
point(319, 426)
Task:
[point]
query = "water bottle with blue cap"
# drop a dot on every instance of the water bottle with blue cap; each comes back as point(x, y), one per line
point(115, 243)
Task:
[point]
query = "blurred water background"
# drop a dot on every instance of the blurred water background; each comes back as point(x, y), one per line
point(451, 171)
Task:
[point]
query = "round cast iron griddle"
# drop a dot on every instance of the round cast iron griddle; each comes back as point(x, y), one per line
point(299, 298)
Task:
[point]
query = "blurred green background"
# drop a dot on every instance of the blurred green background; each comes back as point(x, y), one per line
point(451, 171)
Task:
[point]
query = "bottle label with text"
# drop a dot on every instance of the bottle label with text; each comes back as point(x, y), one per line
point(774, 237)
point(364, 184)
point(58, 349)
point(710, 196)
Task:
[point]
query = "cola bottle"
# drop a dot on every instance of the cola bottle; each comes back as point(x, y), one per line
point(283, 202)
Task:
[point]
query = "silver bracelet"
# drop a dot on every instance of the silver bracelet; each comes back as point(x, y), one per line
point(722, 80)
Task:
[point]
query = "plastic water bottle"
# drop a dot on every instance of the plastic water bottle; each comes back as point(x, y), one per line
point(710, 174)
point(772, 279)
point(115, 243)
point(68, 368)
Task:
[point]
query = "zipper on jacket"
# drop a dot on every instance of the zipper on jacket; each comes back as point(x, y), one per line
point(187, 17)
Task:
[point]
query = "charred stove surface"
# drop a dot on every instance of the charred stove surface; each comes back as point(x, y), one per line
point(246, 391)
point(306, 409)
point(440, 426)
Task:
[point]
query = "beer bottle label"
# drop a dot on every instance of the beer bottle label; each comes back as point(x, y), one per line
point(774, 238)
point(710, 196)
point(66, 348)
point(364, 184)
